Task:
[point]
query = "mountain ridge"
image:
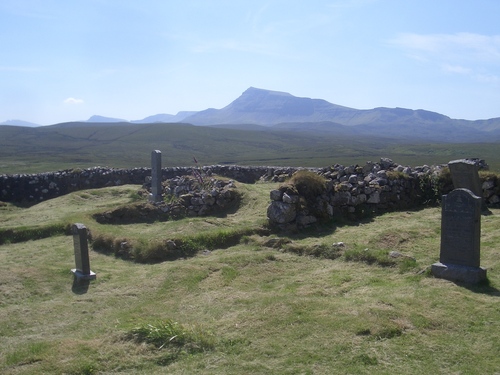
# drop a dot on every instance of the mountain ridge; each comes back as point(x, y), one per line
point(286, 112)
point(275, 108)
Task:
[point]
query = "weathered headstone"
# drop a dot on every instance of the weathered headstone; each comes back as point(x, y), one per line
point(156, 177)
point(465, 175)
point(459, 258)
point(81, 248)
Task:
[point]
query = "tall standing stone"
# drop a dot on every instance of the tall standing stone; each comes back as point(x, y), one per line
point(459, 258)
point(465, 175)
point(81, 249)
point(156, 177)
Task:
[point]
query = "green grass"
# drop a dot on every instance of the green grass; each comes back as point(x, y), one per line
point(49, 148)
point(265, 304)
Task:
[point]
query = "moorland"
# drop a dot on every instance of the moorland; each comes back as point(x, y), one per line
point(244, 298)
point(126, 145)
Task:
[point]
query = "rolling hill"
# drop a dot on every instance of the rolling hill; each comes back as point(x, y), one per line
point(126, 145)
point(261, 127)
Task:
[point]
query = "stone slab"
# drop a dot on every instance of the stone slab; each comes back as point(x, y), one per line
point(465, 174)
point(461, 228)
point(453, 272)
point(81, 249)
point(156, 177)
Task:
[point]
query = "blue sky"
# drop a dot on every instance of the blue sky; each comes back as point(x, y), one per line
point(65, 60)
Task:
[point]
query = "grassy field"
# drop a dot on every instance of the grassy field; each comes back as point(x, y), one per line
point(269, 303)
point(43, 149)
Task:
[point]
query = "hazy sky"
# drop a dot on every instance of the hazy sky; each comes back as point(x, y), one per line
point(64, 60)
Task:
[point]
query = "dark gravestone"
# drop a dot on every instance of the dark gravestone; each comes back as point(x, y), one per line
point(459, 258)
point(81, 248)
point(465, 175)
point(156, 177)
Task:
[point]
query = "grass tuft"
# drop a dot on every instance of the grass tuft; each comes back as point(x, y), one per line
point(308, 184)
point(27, 354)
point(316, 250)
point(379, 257)
point(168, 333)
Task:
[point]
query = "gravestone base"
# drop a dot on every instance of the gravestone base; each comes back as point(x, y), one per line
point(82, 276)
point(454, 272)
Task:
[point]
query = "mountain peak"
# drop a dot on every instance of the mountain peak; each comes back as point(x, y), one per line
point(254, 91)
point(19, 123)
point(97, 118)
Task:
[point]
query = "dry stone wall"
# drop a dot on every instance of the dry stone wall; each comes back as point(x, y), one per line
point(32, 188)
point(356, 191)
point(351, 190)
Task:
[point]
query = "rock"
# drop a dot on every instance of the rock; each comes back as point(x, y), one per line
point(208, 199)
point(196, 201)
point(382, 173)
point(275, 195)
point(488, 185)
point(374, 198)
point(290, 198)
point(494, 199)
point(386, 163)
point(281, 213)
point(368, 167)
point(341, 198)
point(353, 179)
point(171, 245)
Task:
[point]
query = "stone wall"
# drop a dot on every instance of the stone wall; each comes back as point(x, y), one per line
point(184, 196)
point(378, 186)
point(356, 191)
point(32, 188)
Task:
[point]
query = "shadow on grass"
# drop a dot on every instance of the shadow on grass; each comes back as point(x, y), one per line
point(80, 286)
point(483, 287)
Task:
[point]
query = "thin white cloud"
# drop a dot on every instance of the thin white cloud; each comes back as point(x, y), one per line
point(73, 101)
point(455, 69)
point(474, 55)
point(484, 48)
point(487, 78)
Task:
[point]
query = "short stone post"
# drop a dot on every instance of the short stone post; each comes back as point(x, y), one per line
point(459, 258)
point(81, 248)
point(156, 177)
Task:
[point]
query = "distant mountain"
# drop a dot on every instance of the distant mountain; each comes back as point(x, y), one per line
point(257, 108)
point(97, 118)
point(19, 123)
point(283, 110)
point(265, 107)
point(163, 117)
